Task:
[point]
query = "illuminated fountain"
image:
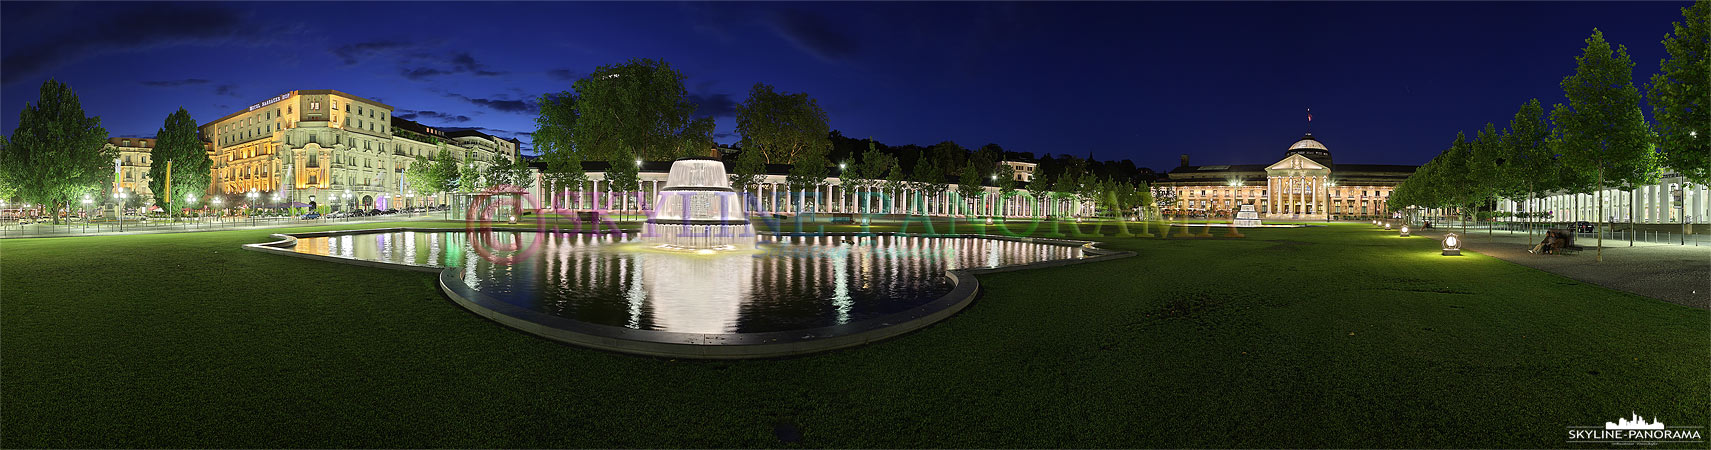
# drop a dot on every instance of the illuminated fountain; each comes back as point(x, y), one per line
point(698, 211)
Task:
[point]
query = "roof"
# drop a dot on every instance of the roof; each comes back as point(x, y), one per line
point(1399, 168)
point(1220, 168)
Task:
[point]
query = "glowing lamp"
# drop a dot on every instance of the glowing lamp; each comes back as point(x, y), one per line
point(1404, 231)
point(1387, 225)
point(1452, 244)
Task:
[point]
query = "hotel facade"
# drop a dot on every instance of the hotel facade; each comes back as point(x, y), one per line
point(328, 147)
point(1305, 185)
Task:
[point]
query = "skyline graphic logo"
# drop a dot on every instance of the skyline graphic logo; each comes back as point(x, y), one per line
point(1639, 423)
point(1635, 430)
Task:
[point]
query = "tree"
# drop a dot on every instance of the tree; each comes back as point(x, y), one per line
point(1004, 177)
point(56, 153)
point(808, 173)
point(508, 172)
point(553, 140)
point(929, 178)
point(1601, 129)
point(1680, 95)
point(785, 128)
point(870, 171)
point(1486, 167)
point(1529, 164)
point(749, 170)
point(635, 109)
point(422, 178)
point(624, 176)
point(178, 143)
point(968, 186)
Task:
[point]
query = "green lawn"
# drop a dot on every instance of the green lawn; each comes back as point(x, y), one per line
point(1340, 336)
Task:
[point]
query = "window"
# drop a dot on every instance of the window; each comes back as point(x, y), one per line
point(315, 106)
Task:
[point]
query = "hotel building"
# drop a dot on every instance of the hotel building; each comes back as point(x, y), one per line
point(131, 168)
point(333, 148)
point(1304, 185)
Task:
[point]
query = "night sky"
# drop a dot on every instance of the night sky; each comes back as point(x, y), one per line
point(1388, 83)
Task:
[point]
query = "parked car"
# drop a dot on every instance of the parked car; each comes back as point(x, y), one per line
point(311, 216)
point(1582, 227)
point(375, 212)
point(392, 211)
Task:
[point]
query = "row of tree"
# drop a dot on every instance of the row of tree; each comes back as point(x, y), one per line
point(58, 155)
point(623, 114)
point(1599, 139)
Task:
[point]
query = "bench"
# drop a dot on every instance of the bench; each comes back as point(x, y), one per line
point(1568, 246)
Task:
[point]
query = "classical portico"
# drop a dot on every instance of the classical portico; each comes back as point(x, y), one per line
point(1297, 188)
point(1301, 186)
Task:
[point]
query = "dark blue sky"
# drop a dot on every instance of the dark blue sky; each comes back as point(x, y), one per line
point(1389, 83)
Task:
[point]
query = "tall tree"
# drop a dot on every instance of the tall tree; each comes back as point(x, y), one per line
point(969, 187)
point(809, 173)
point(421, 177)
point(56, 153)
point(635, 109)
point(1601, 129)
point(1529, 164)
point(1680, 95)
point(785, 128)
point(554, 128)
point(192, 171)
point(929, 178)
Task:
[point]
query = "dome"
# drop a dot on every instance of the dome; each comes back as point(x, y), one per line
point(1310, 148)
point(1307, 142)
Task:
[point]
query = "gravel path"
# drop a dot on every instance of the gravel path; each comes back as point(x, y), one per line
point(1674, 273)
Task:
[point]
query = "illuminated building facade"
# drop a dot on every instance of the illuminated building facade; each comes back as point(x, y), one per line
point(332, 148)
point(1304, 185)
point(131, 169)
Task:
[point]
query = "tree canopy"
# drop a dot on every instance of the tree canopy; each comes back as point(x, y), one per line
point(178, 142)
point(784, 128)
point(56, 153)
point(620, 112)
point(1680, 95)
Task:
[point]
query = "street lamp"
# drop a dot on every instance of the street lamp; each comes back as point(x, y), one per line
point(86, 202)
point(251, 206)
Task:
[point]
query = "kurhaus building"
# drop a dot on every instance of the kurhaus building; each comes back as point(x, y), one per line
point(1304, 185)
point(333, 148)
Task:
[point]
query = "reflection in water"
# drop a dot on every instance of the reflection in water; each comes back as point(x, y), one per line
point(787, 283)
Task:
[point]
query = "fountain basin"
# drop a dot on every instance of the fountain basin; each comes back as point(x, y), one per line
point(790, 296)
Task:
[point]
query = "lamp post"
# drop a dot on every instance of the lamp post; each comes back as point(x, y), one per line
point(350, 200)
point(85, 213)
point(251, 205)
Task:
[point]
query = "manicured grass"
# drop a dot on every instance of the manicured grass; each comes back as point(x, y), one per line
point(1319, 337)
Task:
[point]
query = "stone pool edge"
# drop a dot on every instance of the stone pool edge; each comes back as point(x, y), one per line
point(667, 344)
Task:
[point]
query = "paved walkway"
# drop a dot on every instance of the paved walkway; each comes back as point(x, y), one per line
point(63, 230)
point(1669, 272)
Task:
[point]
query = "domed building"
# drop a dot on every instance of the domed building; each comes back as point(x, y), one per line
point(1304, 185)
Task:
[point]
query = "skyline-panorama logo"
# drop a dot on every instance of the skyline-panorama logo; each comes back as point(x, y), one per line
point(1635, 430)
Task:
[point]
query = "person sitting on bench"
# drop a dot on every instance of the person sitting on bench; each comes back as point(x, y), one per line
point(1552, 241)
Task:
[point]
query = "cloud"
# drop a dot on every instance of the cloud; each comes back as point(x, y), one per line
point(407, 114)
point(562, 74)
point(361, 51)
point(713, 105)
point(126, 29)
point(227, 90)
point(420, 67)
point(813, 34)
point(175, 83)
point(510, 106)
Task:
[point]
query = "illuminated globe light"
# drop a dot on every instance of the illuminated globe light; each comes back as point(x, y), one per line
point(1404, 231)
point(1387, 225)
point(1452, 244)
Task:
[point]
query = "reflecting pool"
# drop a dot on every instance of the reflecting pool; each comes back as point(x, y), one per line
point(785, 283)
